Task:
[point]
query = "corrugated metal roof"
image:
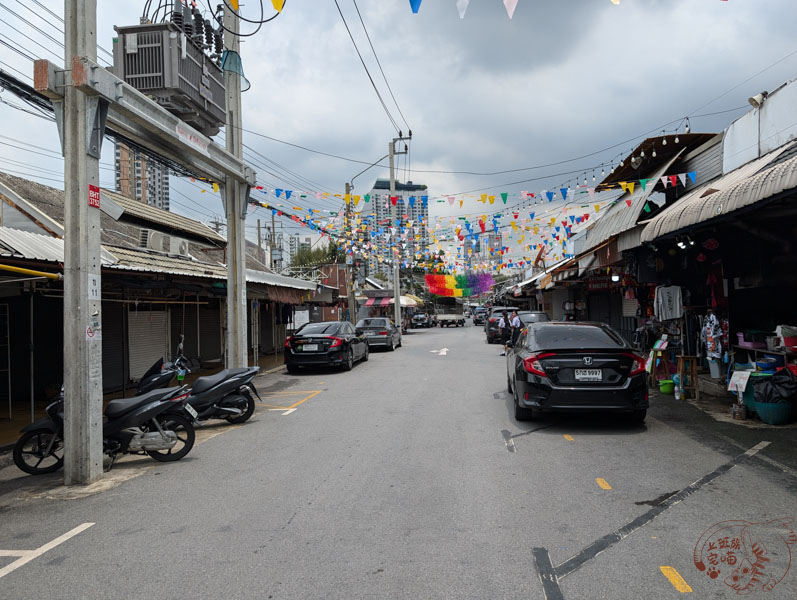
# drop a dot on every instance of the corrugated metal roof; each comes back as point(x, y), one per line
point(170, 220)
point(130, 259)
point(620, 217)
point(736, 190)
point(278, 280)
point(34, 246)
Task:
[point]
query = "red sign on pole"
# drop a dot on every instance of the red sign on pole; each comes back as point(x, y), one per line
point(94, 196)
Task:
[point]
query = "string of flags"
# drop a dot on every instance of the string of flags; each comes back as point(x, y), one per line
point(462, 6)
point(396, 229)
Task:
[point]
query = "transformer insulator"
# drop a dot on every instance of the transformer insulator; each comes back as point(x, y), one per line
point(208, 34)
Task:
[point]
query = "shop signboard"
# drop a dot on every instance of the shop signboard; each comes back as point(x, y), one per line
point(598, 283)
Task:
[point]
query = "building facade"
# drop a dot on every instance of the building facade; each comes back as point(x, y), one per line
point(139, 178)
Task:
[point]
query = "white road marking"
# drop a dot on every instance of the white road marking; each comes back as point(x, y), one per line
point(289, 411)
point(28, 555)
point(757, 448)
point(441, 352)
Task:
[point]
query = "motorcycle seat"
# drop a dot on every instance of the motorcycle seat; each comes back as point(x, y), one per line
point(121, 406)
point(205, 383)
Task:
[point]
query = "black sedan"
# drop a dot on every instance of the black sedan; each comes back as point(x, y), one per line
point(333, 343)
point(573, 366)
point(380, 332)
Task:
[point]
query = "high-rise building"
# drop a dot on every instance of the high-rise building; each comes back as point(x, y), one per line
point(296, 243)
point(140, 178)
point(411, 207)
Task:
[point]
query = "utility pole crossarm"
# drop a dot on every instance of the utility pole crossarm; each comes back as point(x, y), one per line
point(133, 114)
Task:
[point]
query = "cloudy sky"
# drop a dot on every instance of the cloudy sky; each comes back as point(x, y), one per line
point(561, 80)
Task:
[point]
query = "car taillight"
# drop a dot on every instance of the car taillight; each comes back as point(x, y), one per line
point(638, 364)
point(533, 365)
point(287, 343)
point(493, 319)
point(335, 342)
point(383, 333)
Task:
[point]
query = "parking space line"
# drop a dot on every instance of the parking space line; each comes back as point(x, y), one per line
point(675, 579)
point(25, 556)
point(568, 437)
point(604, 485)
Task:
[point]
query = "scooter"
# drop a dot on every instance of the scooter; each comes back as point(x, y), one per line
point(153, 423)
point(225, 395)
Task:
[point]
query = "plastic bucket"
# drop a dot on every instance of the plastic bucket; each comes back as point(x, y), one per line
point(714, 368)
point(667, 386)
point(773, 413)
point(749, 391)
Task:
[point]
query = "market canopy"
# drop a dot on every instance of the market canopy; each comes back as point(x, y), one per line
point(736, 190)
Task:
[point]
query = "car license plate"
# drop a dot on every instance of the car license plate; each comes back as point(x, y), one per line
point(190, 410)
point(589, 375)
point(310, 348)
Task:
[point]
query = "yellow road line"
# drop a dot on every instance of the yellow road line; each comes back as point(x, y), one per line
point(305, 399)
point(604, 485)
point(675, 579)
point(569, 437)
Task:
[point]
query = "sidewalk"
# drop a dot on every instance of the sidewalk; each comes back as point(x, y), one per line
point(9, 430)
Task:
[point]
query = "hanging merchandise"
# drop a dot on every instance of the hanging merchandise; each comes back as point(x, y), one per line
point(668, 303)
point(712, 336)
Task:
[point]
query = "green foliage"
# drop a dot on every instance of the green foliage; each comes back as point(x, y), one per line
point(318, 256)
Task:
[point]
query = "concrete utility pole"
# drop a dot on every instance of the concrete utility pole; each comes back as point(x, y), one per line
point(350, 283)
point(82, 298)
point(396, 258)
point(271, 261)
point(235, 197)
point(260, 256)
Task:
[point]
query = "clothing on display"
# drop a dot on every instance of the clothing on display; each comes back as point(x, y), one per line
point(712, 336)
point(668, 303)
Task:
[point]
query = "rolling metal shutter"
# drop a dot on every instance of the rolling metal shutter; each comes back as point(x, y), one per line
point(184, 320)
point(148, 339)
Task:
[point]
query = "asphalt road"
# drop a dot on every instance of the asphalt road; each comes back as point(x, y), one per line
point(408, 478)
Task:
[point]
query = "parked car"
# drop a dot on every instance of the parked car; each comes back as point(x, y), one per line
point(421, 320)
point(491, 323)
point(333, 343)
point(532, 316)
point(380, 332)
point(575, 366)
point(479, 315)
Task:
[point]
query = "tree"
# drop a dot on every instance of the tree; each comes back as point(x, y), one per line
point(305, 257)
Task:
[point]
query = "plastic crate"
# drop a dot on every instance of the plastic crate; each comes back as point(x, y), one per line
point(160, 61)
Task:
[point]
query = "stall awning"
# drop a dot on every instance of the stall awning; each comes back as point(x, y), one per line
point(621, 217)
point(738, 189)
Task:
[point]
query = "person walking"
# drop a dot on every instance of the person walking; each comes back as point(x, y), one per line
point(516, 326)
point(504, 330)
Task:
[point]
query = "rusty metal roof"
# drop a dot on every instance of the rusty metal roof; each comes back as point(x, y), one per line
point(145, 215)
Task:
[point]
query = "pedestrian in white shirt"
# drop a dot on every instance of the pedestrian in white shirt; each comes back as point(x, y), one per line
point(516, 326)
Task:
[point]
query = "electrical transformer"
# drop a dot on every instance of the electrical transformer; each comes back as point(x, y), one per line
point(170, 67)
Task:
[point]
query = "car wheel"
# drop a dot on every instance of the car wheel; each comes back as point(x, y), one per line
point(349, 363)
point(508, 384)
point(638, 416)
point(521, 414)
point(392, 346)
point(399, 344)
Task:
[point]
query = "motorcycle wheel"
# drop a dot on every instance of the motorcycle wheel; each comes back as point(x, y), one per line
point(250, 409)
point(30, 448)
point(185, 437)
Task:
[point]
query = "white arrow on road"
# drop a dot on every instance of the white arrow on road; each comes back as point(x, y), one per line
point(441, 352)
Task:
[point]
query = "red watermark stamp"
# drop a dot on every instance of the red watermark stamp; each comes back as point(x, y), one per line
point(746, 556)
point(94, 196)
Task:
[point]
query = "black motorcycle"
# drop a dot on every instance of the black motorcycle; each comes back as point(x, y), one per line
point(225, 395)
point(154, 423)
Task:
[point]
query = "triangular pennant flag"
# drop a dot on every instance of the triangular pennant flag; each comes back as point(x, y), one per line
point(682, 177)
point(628, 202)
point(504, 196)
point(215, 187)
point(414, 5)
point(550, 196)
point(278, 192)
point(665, 181)
point(510, 7)
point(278, 4)
point(367, 197)
point(462, 6)
point(631, 185)
point(673, 180)
point(492, 199)
point(692, 176)
point(347, 198)
point(643, 183)
point(591, 193)
point(623, 186)
point(647, 207)
point(394, 200)
point(564, 193)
